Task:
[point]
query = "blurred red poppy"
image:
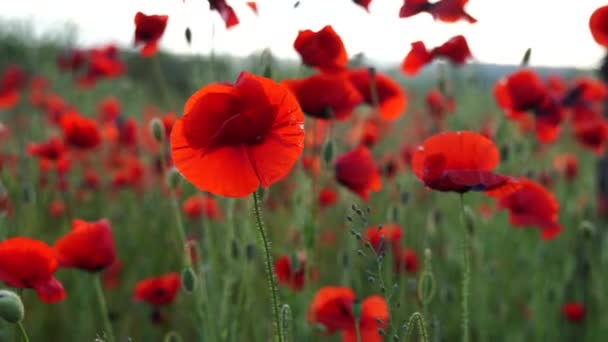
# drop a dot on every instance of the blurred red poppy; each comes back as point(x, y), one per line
point(380, 90)
point(233, 138)
point(148, 31)
point(590, 128)
point(111, 275)
point(79, 131)
point(456, 50)
point(448, 11)
point(29, 263)
point(567, 165)
point(357, 171)
point(89, 246)
point(405, 260)
point(574, 311)
point(598, 24)
point(293, 276)
point(158, 290)
point(11, 81)
point(327, 197)
point(439, 105)
point(226, 12)
point(108, 109)
point(198, 205)
point(57, 208)
point(389, 235)
point(323, 49)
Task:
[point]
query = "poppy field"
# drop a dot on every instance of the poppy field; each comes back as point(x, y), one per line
point(151, 197)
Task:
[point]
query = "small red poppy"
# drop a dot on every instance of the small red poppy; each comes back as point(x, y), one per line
point(574, 311)
point(590, 128)
point(292, 276)
point(233, 138)
point(57, 208)
point(438, 105)
point(567, 165)
point(389, 95)
point(327, 197)
point(158, 290)
point(89, 246)
point(460, 162)
point(80, 132)
point(226, 12)
point(456, 50)
point(53, 149)
point(598, 24)
point(357, 171)
point(322, 49)
point(148, 31)
point(12, 80)
point(389, 235)
point(406, 260)
point(448, 11)
point(198, 205)
point(108, 109)
point(29, 263)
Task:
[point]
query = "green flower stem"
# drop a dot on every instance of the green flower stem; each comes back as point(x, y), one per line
point(466, 274)
point(269, 268)
point(107, 325)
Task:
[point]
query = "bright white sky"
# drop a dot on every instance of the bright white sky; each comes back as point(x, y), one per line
point(557, 30)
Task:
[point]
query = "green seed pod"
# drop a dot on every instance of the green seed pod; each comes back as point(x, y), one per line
point(173, 178)
point(158, 131)
point(11, 307)
point(189, 280)
point(328, 151)
point(172, 336)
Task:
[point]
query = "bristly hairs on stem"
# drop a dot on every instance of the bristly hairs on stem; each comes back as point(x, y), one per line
point(416, 321)
point(466, 273)
point(287, 323)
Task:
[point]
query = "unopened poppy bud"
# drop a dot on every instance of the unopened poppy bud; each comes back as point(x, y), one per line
point(250, 251)
point(11, 307)
point(189, 280)
point(526, 59)
point(173, 178)
point(172, 336)
point(357, 309)
point(158, 130)
point(328, 151)
point(188, 35)
point(588, 229)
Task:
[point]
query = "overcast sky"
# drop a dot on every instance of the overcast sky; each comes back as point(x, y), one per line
point(557, 30)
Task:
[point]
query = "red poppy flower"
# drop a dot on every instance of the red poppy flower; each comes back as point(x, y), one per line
point(532, 205)
point(13, 78)
point(197, 205)
point(598, 24)
point(312, 164)
point(158, 290)
point(148, 30)
point(233, 138)
point(567, 165)
point(460, 162)
point(56, 208)
point(406, 260)
point(438, 105)
point(448, 11)
point(29, 263)
point(455, 50)
point(363, 3)
point(391, 98)
point(325, 96)
point(52, 149)
point(356, 171)
point(292, 276)
point(332, 307)
point(253, 5)
point(225, 11)
point(574, 311)
point(370, 131)
point(80, 132)
point(108, 109)
point(89, 246)
point(389, 235)
point(323, 49)
point(327, 197)
point(72, 60)
point(590, 128)
point(103, 62)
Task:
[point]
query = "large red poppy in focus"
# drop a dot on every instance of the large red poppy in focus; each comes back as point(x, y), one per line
point(323, 49)
point(460, 162)
point(234, 138)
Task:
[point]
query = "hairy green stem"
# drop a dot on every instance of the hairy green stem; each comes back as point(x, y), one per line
point(269, 268)
point(107, 325)
point(23, 333)
point(466, 274)
point(417, 320)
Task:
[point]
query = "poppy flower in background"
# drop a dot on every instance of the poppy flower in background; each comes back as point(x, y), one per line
point(439, 105)
point(57, 208)
point(325, 96)
point(405, 260)
point(148, 31)
point(332, 307)
point(590, 128)
point(370, 131)
point(312, 164)
point(460, 162)
point(532, 205)
point(363, 3)
point(323, 49)
point(448, 11)
point(226, 12)
point(53, 149)
point(456, 50)
point(391, 99)
point(292, 276)
point(598, 24)
point(233, 138)
point(12, 80)
point(103, 62)
point(327, 197)
point(254, 6)
point(389, 235)
point(574, 311)
point(89, 246)
point(158, 290)
point(72, 60)
point(567, 165)
point(198, 205)
point(29, 263)
point(357, 171)
point(108, 109)
point(111, 275)
point(80, 132)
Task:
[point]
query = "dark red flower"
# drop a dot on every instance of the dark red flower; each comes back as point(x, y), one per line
point(108, 109)
point(323, 49)
point(158, 290)
point(390, 97)
point(57, 208)
point(327, 197)
point(332, 307)
point(326, 96)
point(363, 3)
point(406, 260)
point(29, 263)
point(79, 131)
point(111, 275)
point(574, 311)
point(292, 276)
point(370, 131)
point(455, 50)
point(198, 205)
point(12, 80)
point(590, 128)
point(52, 149)
point(103, 62)
point(225, 11)
point(389, 235)
point(356, 171)
point(448, 11)
point(233, 138)
point(532, 205)
point(460, 162)
point(598, 24)
point(148, 31)
point(438, 105)
point(89, 246)
point(72, 60)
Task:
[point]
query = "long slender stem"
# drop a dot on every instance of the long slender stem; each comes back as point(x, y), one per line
point(104, 309)
point(466, 274)
point(23, 333)
point(358, 330)
point(269, 268)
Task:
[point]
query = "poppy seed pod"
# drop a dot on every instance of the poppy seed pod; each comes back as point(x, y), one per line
point(158, 130)
point(11, 307)
point(173, 178)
